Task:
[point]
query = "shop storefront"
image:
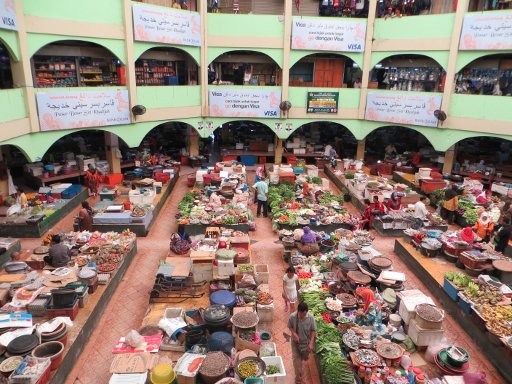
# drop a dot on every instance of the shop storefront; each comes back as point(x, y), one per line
point(166, 67)
point(490, 75)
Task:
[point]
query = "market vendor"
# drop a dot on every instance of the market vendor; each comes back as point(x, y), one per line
point(21, 198)
point(390, 151)
point(59, 254)
point(308, 242)
point(421, 212)
point(378, 207)
point(502, 236)
point(395, 202)
point(371, 313)
point(327, 150)
point(484, 227)
point(92, 180)
point(450, 204)
point(467, 235)
point(367, 215)
point(215, 200)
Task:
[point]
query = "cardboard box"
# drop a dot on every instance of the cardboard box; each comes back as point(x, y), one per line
point(241, 344)
point(181, 368)
point(261, 273)
point(133, 362)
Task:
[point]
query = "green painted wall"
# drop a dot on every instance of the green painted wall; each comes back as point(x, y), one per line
point(13, 104)
point(466, 57)
point(274, 53)
point(482, 107)
point(417, 27)
point(10, 40)
point(348, 99)
point(92, 11)
point(140, 47)
point(37, 41)
point(245, 25)
point(169, 96)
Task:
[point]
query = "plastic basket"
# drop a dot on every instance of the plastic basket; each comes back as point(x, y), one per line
point(31, 379)
point(451, 290)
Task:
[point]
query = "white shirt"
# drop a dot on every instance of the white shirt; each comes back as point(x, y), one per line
point(327, 151)
point(420, 211)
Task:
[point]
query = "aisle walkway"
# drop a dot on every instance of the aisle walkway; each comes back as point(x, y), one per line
point(129, 303)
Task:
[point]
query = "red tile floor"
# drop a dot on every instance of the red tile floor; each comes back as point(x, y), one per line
point(130, 302)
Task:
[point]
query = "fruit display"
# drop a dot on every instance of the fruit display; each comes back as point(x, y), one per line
point(264, 298)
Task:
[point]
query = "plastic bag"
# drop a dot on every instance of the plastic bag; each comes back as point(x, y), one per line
point(433, 349)
point(133, 338)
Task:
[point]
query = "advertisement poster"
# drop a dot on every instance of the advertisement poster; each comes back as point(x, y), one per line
point(487, 31)
point(337, 35)
point(67, 110)
point(323, 102)
point(8, 15)
point(237, 102)
point(166, 25)
point(403, 108)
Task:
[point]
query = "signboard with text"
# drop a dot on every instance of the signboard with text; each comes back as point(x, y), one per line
point(166, 25)
point(8, 15)
point(68, 110)
point(322, 102)
point(244, 102)
point(338, 35)
point(403, 108)
point(487, 31)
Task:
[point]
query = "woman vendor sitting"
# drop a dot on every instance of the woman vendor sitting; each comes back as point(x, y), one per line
point(484, 227)
point(395, 202)
point(370, 314)
point(308, 242)
point(467, 235)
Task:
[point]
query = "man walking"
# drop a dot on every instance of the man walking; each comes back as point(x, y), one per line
point(302, 326)
point(261, 189)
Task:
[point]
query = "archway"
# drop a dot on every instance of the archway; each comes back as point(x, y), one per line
point(244, 68)
point(245, 140)
point(168, 139)
point(405, 141)
point(418, 73)
point(6, 81)
point(313, 137)
point(482, 152)
point(487, 75)
point(325, 70)
point(166, 66)
point(76, 63)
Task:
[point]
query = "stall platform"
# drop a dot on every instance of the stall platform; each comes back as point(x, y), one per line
point(11, 228)
point(344, 188)
point(328, 228)
point(407, 179)
point(431, 272)
point(199, 229)
point(378, 225)
point(144, 224)
point(87, 319)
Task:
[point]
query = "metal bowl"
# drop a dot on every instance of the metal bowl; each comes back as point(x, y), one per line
point(260, 366)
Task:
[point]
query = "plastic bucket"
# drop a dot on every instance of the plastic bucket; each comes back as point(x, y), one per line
point(53, 350)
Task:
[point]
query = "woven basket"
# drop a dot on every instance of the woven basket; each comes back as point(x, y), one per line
point(428, 324)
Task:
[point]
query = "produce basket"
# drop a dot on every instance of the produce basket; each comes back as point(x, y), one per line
point(471, 261)
point(245, 319)
point(214, 367)
point(429, 316)
point(256, 362)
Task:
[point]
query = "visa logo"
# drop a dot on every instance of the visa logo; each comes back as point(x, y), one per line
point(354, 46)
point(270, 113)
point(8, 21)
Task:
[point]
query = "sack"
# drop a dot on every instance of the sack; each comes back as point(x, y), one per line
point(179, 245)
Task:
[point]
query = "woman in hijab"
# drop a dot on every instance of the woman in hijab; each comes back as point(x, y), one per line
point(484, 227)
point(308, 244)
point(394, 203)
point(370, 314)
point(450, 205)
point(260, 174)
point(467, 235)
point(309, 237)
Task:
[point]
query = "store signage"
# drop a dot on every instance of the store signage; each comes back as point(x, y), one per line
point(8, 15)
point(328, 35)
point(403, 108)
point(166, 25)
point(68, 110)
point(232, 102)
point(488, 30)
point(323, 102)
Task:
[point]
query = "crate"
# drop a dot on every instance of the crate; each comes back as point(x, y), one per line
point(83, 293)
point(312, 170)
point(464, 303)
point(470, 262)
point(226, 267)
point(408, 302)
point(43, 379)
point(70, 312)
point(38, 306)
point(265, 312)
point(430, 186)
point(261, 273)
point(278, 378)
point(424, 337)
point(451, 290)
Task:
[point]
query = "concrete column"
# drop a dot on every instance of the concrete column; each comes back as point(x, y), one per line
point(285, 75)
point(361, 144)
point(112, 151)
point(449, 84)
point(203, 63)
point(278, 151)
point(449, 159)
point(131, 80)
point(367, 58)
point(193, 142)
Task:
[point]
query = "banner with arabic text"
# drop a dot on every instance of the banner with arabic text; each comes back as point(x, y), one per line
point(244, 102)
point(8, 15)
point(68, 110)
point(487, 31)
point(403, 108)
point(338, 35)
point(166, 25)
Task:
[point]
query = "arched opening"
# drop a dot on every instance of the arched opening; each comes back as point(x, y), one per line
point(484, 154)
point(244, 140)
point(71, 63)
point(169, 139)
point(244, 68)
point(482, 5)
point(5, 68)
point(487, 75)
point(310, 140)
point(337, 8)
point(326, 71)
point(166, 66)
point(408, 73)
point(397, 144)
point(15, 159)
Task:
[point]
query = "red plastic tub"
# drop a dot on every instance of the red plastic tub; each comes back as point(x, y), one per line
point(191, 180)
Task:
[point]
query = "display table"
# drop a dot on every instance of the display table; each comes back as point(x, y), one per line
point(407, 179)
point(431, 274)
point(16, 226)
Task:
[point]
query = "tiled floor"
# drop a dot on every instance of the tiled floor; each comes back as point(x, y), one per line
point(129, 304)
